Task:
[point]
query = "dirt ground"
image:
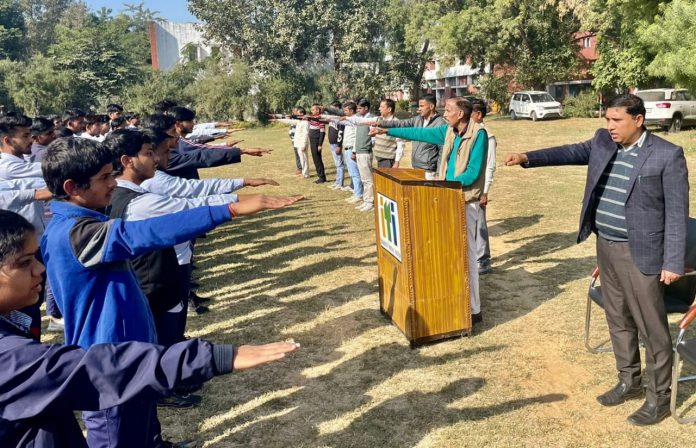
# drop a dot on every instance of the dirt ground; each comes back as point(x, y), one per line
point(308, 273)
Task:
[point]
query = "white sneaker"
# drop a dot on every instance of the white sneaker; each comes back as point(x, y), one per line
point(354, 199)
point(335, 187)
point(306, 176)
point(360, 205)
point(367, 206)
point(347, 188)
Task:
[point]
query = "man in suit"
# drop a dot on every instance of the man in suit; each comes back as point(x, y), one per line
point(636, 201)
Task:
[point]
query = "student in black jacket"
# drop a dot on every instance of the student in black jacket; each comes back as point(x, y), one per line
point(41, 385)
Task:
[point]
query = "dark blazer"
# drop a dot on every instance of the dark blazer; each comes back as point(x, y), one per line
point(657, 208)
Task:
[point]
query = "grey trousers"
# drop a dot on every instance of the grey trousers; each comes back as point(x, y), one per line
point(483, 247)
point(634, 305)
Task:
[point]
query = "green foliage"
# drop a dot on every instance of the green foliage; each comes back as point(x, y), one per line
point(670, 39)
point(7, 67)
point(403, 106)
point(223, 92)
point(496, 89)
point(623, 57)
point(105, 56)
point(156, 86)
point(584, 105)
point(12, 30)
point(41, 87)
point(41, 18)
point(267, 34)
point(532, 36)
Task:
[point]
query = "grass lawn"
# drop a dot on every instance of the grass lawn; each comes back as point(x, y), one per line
point(308, 273)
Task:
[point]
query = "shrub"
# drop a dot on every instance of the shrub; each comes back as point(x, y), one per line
point(585, 105)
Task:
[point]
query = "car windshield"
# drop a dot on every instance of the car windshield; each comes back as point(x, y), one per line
point(541, 98)
point(651, 96)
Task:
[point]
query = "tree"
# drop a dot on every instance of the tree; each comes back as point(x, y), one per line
point(223, 92)
point(41, 18)
point(140, 15)
point(674, 55)
point(40, 87)
point(155, 86)
point(534, 38)
point(623, 58)
point(104, 56)
point(267, 34)
point(12, 30)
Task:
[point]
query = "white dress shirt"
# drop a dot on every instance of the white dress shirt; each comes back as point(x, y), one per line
point(150, 205)
point(167, 185)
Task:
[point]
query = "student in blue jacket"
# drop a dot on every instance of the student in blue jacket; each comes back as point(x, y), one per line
point(41, 385)
point(88, 255)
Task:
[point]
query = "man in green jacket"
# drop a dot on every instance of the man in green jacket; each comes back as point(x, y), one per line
point(465, 144)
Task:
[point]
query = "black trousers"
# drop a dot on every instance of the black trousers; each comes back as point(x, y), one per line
point(634, 305)
point(384, 163)
point(316, 139)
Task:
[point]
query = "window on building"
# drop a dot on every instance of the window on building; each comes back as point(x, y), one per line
point(587, 42)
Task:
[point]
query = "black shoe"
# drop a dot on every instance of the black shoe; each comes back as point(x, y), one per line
point(186, 390)
point(477, 318)
point(649, 414)
point(619, 394)
point(320, 181)
point(198, 299)
point(194, 309)
point(179, 401)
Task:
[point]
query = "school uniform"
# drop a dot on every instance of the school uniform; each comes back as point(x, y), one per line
point(42, 385)
point(132, 202)
point(13, 168)
point(87, 258)
point(188, 157)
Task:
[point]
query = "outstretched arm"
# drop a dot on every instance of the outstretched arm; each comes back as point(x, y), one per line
point(435, 136)
point(69, 378)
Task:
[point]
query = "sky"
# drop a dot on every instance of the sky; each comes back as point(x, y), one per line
point(172, 10)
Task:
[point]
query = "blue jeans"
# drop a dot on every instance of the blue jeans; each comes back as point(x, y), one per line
point(354, 173)
point(340, 166)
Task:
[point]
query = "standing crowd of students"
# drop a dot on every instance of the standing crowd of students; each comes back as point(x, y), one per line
point(454, 147)
point(113, 217)
point(113, 208)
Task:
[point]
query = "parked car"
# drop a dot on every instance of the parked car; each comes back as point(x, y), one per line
point(536, 105)
point(670, 109)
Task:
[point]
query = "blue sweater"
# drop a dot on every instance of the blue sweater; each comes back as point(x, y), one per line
point(87, 260)
point(42, 385)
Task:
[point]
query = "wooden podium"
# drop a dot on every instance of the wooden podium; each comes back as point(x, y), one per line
point(421, 255)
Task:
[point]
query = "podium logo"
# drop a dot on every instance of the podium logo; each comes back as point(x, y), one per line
point(389, 234)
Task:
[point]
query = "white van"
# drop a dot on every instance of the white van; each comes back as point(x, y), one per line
point(534, 104)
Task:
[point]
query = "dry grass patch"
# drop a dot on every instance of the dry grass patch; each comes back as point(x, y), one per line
point(308, 273)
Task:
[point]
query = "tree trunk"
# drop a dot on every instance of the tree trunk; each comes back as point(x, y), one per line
point(415, 89)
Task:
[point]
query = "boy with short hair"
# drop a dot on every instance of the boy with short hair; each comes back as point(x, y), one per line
point(74, 120)
point(93, 128)
point(15, 144)
point(114, 111)
point(184, 119)
point(43, 132)
point(133, 120)
point(37, 408)
point(87, 256)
